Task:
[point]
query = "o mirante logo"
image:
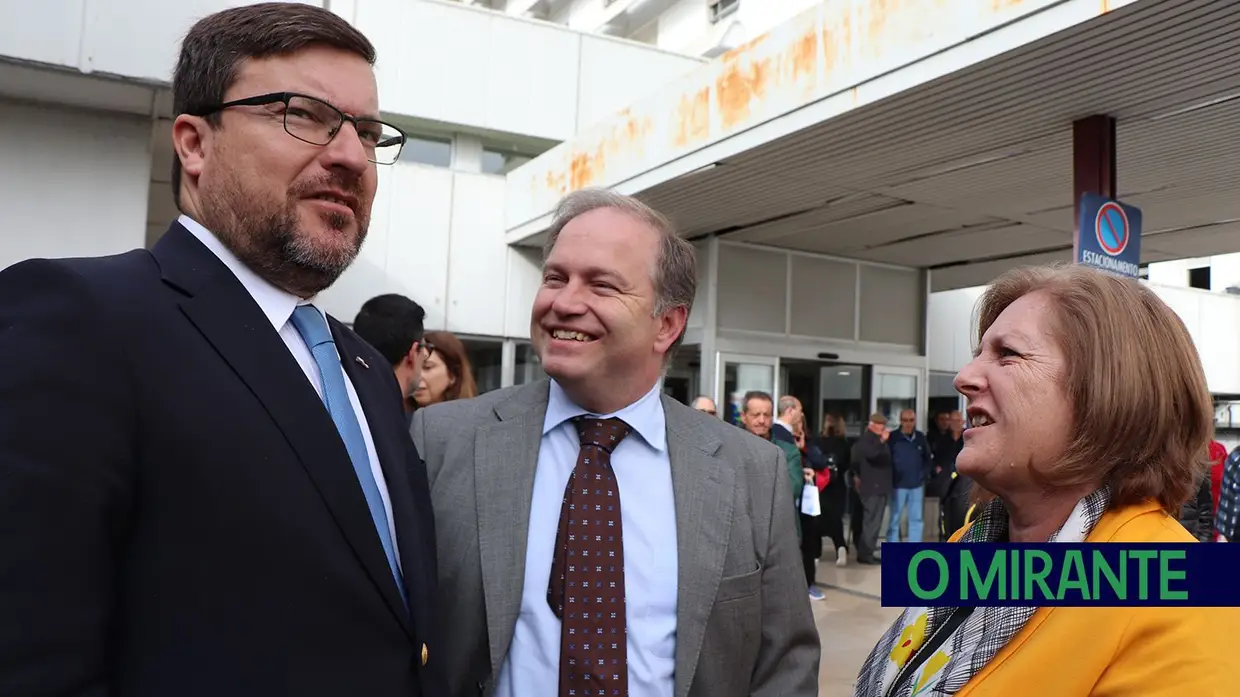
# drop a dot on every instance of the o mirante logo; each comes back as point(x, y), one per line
point(1034, 576)
point(1109, 574)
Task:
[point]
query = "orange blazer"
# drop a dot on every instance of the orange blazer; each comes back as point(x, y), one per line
point(1116, 651)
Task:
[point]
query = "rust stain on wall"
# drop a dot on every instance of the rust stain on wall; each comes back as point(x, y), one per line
point(693, 118)
point(742, 81)
point(878, 16)
point(804, 57)
point(837, 43)
point(627, 138)
point(635, 129)
point(583, 168)
point(556, 182)
point(760, 78)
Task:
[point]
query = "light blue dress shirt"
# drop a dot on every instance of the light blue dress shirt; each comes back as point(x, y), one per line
point(648, 521)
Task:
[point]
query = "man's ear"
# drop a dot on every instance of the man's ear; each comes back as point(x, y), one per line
point(191, 140)
point(671, 325)
point(411, 356)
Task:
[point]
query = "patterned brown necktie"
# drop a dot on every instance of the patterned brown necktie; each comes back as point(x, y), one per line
point(586, 590)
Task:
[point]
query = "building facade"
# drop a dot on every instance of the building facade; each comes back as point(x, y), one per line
point(845, 168)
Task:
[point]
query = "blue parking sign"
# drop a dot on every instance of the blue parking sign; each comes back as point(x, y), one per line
point(1109, 236)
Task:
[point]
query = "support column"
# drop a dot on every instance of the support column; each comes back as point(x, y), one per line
point(710, 325)
point(508, 363)
point(1093, 165)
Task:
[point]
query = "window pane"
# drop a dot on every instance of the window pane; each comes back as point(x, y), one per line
point(428, 151)
point(497, 162)
point(528, 368)
point(739, 378)
point(894, 393)
point(487, 360)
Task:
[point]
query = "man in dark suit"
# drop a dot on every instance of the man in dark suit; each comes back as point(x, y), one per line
point(871, 469)
point(789, 412)
point(393, 324)
point(206, 485)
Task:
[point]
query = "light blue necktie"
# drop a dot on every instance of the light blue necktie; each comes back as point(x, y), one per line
point(310, 323)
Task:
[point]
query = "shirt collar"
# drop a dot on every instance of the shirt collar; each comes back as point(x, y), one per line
point(645, 416)
point(276, 304)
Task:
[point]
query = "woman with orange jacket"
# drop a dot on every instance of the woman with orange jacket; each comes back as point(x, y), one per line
point(1089, 420)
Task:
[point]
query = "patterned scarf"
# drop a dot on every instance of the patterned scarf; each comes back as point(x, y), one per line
point(982, 635)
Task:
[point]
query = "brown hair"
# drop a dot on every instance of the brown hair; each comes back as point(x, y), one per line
point(217, 44)
point(452, 352)
point(833, 426)
point(675, 272)
point(1132, 376)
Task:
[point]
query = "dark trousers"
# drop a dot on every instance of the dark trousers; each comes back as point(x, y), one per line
point(856, 513)
point(955, 508)
point(871, 524)
point(832, 526)
point(811, 547)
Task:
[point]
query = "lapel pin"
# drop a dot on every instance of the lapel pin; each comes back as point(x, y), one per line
point(361, 362)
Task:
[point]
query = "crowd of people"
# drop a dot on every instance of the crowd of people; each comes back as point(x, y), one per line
point(253, 499)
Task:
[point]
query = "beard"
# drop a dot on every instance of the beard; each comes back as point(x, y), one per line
point(268, 236)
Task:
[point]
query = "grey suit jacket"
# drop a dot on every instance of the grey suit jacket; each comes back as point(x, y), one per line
point(744, 625)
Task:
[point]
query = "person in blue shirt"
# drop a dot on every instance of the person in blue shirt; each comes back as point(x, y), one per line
point(910, 466)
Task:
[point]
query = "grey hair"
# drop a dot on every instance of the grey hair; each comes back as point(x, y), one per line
point(786, 403)
point(675, 270)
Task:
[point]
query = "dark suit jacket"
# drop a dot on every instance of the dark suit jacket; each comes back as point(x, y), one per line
point(178, 515)
point(871, 460)
point(780, 433)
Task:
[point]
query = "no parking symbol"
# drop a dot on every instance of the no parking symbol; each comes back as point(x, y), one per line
point(1109, 236)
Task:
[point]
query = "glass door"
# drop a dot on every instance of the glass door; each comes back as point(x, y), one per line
point(892, 390)
point(842, 392)
point(737, 374)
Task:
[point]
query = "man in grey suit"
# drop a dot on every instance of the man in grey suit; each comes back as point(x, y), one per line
point(559, 569)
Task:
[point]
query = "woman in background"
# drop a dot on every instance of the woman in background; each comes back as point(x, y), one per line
point(814, 466)
point(446, 373)
point(835, 448)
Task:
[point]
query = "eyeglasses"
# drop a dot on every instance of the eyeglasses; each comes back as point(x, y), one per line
point(427, 346)
point(314, 121)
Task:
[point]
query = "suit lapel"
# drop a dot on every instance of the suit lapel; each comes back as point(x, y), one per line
point(229, 319)
point(379, 408)
point(505, 460)
point(703, 487)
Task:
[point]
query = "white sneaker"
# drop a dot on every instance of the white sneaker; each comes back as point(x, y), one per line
point(841, 556)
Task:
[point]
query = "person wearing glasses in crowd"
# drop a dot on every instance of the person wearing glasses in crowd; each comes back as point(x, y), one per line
point(207, 486)
point(706, 405)
point(393, 324)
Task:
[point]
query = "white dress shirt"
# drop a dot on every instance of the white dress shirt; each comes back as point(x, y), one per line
point(278, 306)
point(648, 529)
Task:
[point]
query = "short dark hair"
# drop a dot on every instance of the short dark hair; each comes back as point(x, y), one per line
point(392, 324)
point(755, 394)
point(217, 44)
